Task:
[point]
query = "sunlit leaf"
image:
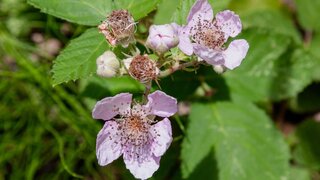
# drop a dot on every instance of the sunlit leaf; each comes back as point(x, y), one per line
point(245, 142)
point(78, 59)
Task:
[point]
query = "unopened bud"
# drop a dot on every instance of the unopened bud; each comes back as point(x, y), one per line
point(108, 64)
point(218, 69)
point(142, 68)
point(118, 28)
point(163, 37)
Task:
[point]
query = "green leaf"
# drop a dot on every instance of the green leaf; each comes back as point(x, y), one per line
point(248, 6)
point(78, 59)
point(97, 87)
point(268, 72)
point(299, 174)
point(181, 14)
point(272, 21)
point(307, 152)
point(165, 11)
point(245, 142)
point(314, 49)
point(85, 12)
point(138, 8)
point(308, 13)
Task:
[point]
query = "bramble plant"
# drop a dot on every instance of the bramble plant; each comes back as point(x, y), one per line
point(136, 135)
point(144, 71)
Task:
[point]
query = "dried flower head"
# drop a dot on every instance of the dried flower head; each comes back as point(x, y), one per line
point(134, 133)
point(142, 68)
point(205, 36)
point(118, 28)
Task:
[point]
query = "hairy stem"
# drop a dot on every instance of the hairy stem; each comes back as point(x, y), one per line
point(176, 67)
point(146, 91)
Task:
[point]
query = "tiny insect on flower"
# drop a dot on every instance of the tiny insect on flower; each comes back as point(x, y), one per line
point(133, 131)
point(205, 36)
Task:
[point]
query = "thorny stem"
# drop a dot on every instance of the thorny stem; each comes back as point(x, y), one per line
point(177, 67)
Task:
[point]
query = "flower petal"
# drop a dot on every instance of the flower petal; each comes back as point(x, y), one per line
point(144, 168)
point(108, 147)
point(229, 22)
point(109, 107)
point(235, 53)
point(211, 56)
point(162, 136)
point(200, 11)
point(161, 104)
point(185, 44)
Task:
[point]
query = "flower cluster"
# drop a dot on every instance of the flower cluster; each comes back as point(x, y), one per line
point(134, 130)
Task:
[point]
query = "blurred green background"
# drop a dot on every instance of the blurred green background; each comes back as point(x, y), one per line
point(47, 132)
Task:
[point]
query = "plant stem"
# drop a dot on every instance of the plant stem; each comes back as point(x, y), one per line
point(176, 67)
point(146, 91)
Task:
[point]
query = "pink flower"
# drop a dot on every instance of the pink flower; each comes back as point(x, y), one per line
point(133, 132)
point(163, 37)
point(206, 36)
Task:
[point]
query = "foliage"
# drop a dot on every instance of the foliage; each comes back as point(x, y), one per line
point(259, 121)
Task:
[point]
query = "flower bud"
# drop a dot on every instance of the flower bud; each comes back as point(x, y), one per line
point(163, 37)
point(142, 68)
point(118, 28)
point(218, 69)
point(107, 64)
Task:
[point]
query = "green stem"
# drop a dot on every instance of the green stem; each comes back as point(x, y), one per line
point(176, 67)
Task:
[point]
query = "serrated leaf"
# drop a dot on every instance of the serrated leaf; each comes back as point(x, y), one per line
point(308, 13)
point(268, 72)
point(85, 12)
point(78, 59)
point(91, 13)
point(245, 142)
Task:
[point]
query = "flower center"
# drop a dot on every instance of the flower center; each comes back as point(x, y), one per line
point(143, 69)
point(208, 34)
point(135, 131)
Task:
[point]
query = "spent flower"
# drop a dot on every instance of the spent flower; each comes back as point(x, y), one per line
point(205, 36)
point(118, 28)
point(142, 68)
point(133, 131)
point(163, 37)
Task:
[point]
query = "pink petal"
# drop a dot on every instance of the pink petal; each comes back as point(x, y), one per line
point(200, 11)
point(109, 107)
point(108, 147)
point(143, 169)
point(211, 56)
point(229, 22)
point(162, 136)
point(161, 104)
point(185, 44)
point(235, 53)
